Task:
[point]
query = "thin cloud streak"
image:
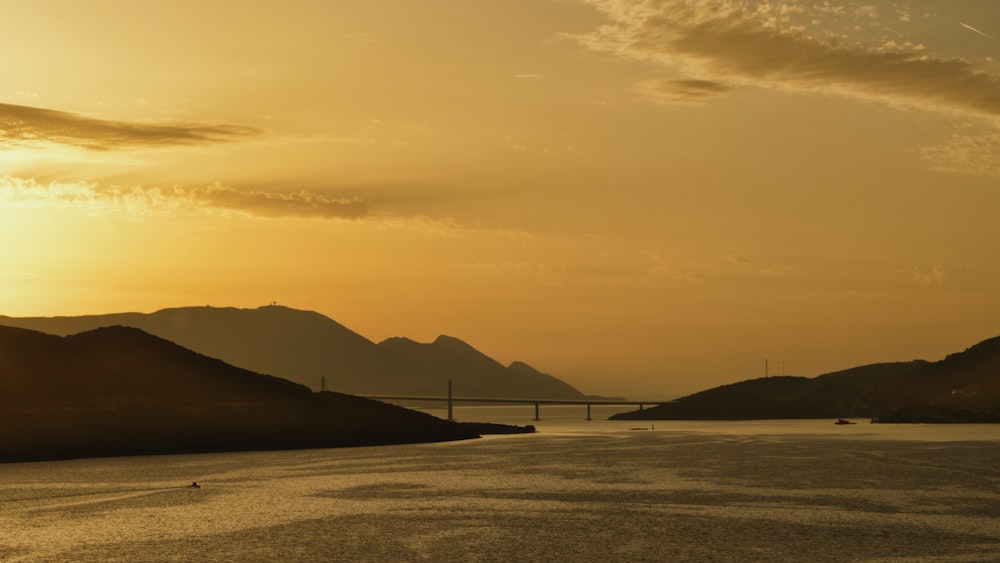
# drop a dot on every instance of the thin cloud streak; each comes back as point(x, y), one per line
point(25, 124)
point(682, 91)
point(152, 200)
point(974, 30)
point(751, 44)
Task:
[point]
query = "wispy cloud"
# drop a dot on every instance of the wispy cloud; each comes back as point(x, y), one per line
point(766, 44)
point(934, 275)
point(967, 154)
point(152, 200)
point(519, 268)
point(25, 124)
point(974, 30)
point(660, 268)
point(682, 91)
point(738, 259)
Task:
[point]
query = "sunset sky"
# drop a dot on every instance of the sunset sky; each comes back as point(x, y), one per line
point(641, 197)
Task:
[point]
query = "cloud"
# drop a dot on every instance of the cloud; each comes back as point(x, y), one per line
point(541, 269)
point(737, 259)
point(301, 203)
point(681, 91)
point(152, 200)
point(659, 268)
point(932, 276)
point(974, 30)
point(967, 154)
point(767, 44)
point(26, 124)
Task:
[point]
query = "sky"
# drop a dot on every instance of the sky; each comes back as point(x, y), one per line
point(644, 198)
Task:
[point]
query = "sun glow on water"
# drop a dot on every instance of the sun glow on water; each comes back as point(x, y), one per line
point(703, 491)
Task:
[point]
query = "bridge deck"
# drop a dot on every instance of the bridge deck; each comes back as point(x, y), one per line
point(509, 400)
point(451, 400)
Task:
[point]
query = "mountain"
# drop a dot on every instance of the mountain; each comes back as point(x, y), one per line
point(121, 391)
point(474, 373)
point(963, 387)
point(306, 347)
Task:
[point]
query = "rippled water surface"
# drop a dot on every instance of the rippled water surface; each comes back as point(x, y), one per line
point(575, 491)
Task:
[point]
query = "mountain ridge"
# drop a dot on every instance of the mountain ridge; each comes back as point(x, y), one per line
point(121, 391)
point(310, 348)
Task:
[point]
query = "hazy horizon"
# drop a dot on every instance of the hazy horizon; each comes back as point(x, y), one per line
point(641, 198)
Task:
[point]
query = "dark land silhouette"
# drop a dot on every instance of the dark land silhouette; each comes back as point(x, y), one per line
point(963, 387)
point(305, 347)
point(120, 391)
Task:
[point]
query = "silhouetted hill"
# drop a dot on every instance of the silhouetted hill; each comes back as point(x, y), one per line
point(304, 346)
point(964, 387)
point(868, 378)
point(121, 391)
point(772, 397)
point(301, 346)
point(965, 380)
point(474, 373)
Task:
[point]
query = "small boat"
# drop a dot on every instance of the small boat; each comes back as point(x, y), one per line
point(843, 421)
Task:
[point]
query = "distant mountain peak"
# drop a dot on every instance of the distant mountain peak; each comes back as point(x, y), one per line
point(521, 367)
point(397, 341)
point(445, 340)
point(314, 350)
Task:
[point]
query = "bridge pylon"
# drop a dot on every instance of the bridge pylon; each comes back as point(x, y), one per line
point(451, 416)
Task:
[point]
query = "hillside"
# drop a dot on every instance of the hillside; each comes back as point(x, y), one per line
point(474, 373)
point(963, 387)
point(121, 391)
point(305, 347)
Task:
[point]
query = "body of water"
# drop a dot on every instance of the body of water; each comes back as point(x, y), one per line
point(575, 491)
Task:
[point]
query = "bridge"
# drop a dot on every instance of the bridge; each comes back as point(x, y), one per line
point(451, 400)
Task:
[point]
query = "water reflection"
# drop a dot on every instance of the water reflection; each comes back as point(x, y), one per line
point(577, 490)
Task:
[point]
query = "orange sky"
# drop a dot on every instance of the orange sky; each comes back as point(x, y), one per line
point(643, 198)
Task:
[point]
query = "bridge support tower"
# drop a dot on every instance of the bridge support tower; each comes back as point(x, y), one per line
point(451, 415)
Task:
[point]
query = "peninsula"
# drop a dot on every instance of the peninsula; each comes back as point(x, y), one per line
point(120, 391)
point(963, 387)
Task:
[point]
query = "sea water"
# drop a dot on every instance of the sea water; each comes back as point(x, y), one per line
point(575, 491)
